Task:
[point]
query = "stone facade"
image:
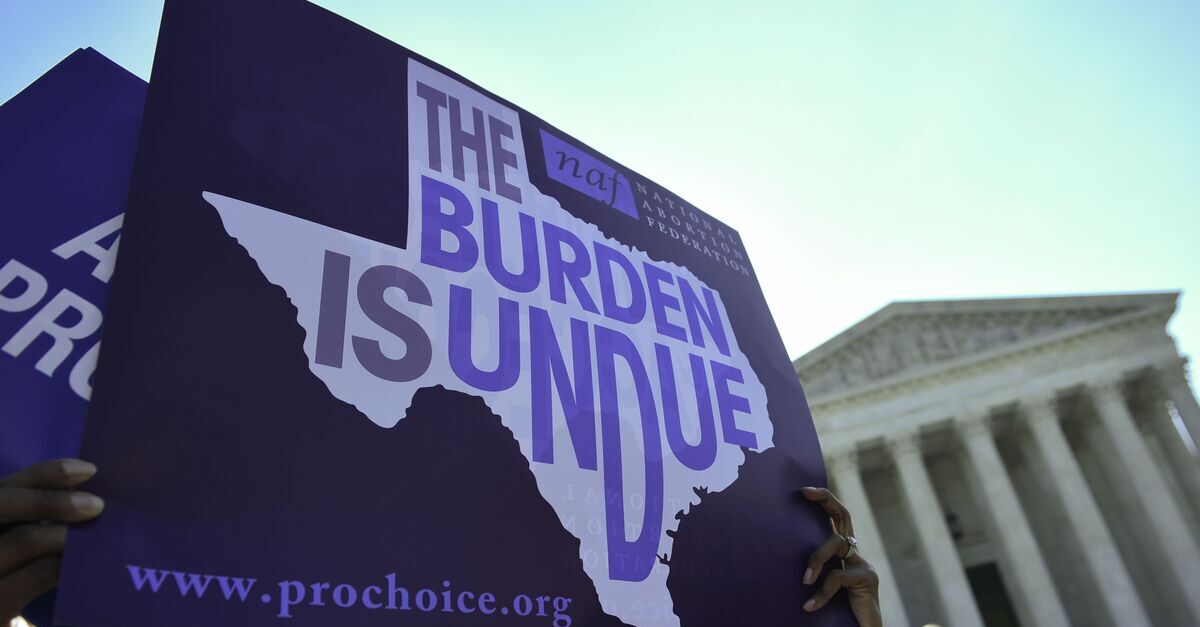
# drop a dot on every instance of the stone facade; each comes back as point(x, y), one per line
point(1017, 461)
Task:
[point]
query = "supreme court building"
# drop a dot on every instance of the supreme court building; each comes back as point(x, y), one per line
point(1017, 461)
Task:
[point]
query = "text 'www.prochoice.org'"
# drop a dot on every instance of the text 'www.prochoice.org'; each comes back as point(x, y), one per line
point(290, 596)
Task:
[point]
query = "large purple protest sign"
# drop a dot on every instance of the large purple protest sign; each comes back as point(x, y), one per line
point(381, 350)
point(66, 154)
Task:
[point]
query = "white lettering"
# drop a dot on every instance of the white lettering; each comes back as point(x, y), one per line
point(35, 286)
point(46, 322)
point(89, 244)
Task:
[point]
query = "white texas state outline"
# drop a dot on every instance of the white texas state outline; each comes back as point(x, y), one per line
point(290, 252)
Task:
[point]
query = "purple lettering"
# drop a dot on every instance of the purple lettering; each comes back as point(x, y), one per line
point(370, 597)
point(493, 251)
point(434, 223)
point(434, 100)
point(728, 403)
point(331, 317)
point(611, 344)
point(696, 314)
point(577, 402)
point(418, 352)
point(395, 591)
point(606, 257)
point(560, 271)
point(507, 340)
point(474, 140)
point(660, 301)
point(487, 603)
point(701, 455)
point(501, 157)
point(290, 593)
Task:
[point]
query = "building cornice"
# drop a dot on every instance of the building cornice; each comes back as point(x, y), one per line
point(1148, 300)
point(933, 374)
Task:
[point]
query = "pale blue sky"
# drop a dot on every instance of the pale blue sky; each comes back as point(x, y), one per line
point(867, 151)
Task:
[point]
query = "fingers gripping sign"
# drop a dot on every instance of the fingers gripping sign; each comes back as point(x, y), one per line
point(34, 505)
point(854, 573)
point(836, 544)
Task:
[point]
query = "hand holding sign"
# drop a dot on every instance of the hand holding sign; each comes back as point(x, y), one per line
point(34, 504)
point(858, 577)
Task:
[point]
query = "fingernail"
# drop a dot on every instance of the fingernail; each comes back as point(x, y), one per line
point(87, 503)
point(78, 468)
point(808, 575)
point(808, 605)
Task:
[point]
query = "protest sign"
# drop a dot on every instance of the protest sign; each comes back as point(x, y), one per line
point(385, 348)
point(66, 153)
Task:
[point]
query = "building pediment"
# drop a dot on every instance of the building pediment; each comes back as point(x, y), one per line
point(905, 337)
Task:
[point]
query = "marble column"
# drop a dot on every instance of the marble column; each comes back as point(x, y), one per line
point(950, 582)
point(1169, 526)
point(1030, 579)
point(1101, 557)
point(843, 468)
point(1177, 462)
point(1174, 381)
point(1180, 460)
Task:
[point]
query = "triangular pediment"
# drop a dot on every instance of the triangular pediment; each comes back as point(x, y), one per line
point(919, 335)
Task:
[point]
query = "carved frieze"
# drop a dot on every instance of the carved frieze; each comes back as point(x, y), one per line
point(911, 341)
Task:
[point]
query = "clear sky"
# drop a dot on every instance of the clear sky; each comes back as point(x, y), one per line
point(866, 151)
